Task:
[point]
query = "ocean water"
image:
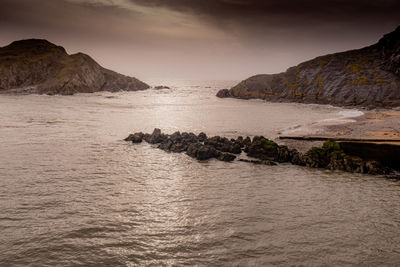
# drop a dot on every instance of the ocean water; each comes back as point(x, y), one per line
point(72, 192)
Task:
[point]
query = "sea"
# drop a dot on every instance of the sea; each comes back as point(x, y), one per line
point(73, 193)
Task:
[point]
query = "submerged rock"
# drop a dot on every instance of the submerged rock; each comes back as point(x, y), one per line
point(159, 87)
point(226, 157)
point(260, 162)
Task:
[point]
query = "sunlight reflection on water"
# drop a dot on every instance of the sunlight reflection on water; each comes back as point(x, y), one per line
point(72, 192)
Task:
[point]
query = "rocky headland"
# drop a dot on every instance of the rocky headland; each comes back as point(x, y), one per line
point(38, 66)
point(368, 77)
point(260, 150)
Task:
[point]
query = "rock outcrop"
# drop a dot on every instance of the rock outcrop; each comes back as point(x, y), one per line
point(38, 66)
point(264, 151)
point(367, 77)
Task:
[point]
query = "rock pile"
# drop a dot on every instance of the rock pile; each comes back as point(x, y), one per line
point(266, 152)
point(196, 146)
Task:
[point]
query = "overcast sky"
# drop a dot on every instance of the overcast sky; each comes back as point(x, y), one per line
point(199, 39)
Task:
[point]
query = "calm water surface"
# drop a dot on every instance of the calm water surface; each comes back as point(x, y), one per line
point(73, 193)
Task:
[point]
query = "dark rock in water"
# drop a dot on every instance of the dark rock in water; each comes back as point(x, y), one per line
point(236, 148)
point(224, 93)
point(283, 154)
point(135, 138)
point(242, 142)
point(262, 148)
point(297, 158)
point(190, 137)
point(224, 144)
point(367, 77)
point(247, 142)
point(192, 149)
point(375, 167)
point(354, 164)
point(177, 142)
point(38, 66)
point(202, 152)
point(166, 145)
point(156, 137)
point(387, 154)
point(260, 162)
point(202, 137)
point(315, 158)
point(329, 156)
point(206, 152)
point(159, 87)
point(226, 157)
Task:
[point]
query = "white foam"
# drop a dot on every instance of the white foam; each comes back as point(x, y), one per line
point(342, 117)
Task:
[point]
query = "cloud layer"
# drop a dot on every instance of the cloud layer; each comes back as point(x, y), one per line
point(215, 39)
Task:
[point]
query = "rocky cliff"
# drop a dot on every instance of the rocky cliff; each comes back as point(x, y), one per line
point(364, 77)
point(38, 66)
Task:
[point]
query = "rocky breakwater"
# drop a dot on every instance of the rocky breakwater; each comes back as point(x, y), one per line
point(262, 150)
point(38, 66)
point(368, 77)
point(198, 146)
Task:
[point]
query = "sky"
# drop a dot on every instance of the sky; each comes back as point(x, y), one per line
point(199, 39)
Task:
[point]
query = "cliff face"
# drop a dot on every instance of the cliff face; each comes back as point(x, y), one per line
point(38, 66)
point(365, 77)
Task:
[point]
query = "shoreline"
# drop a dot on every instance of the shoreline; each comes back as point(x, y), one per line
point(376, 124)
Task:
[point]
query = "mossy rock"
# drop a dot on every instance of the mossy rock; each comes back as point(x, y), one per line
point(331, 146)
point(266, 143)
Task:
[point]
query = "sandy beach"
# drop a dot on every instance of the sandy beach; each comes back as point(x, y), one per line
point(373, 124)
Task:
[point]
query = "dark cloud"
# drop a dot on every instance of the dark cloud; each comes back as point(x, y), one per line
point(306, 10)
point(200, 38)
point(261, 18)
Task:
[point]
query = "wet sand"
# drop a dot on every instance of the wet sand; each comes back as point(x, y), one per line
point(373, 124)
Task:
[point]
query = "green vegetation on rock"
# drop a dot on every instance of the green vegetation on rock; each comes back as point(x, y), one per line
point(42, 67)
point(369, 76)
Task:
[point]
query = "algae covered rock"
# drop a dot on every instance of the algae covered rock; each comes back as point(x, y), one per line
point(262, 148)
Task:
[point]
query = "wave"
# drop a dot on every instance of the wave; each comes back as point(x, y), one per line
point(342, 117)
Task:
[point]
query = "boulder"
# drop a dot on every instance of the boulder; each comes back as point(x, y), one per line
point(202, 152)
point(262, 148)
point(223, 93)
point(375, 167)
point(202, 137)
point(296, 158)
point(135, 138)
point(156, 137)
point(223, 144)
point(283, 154)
